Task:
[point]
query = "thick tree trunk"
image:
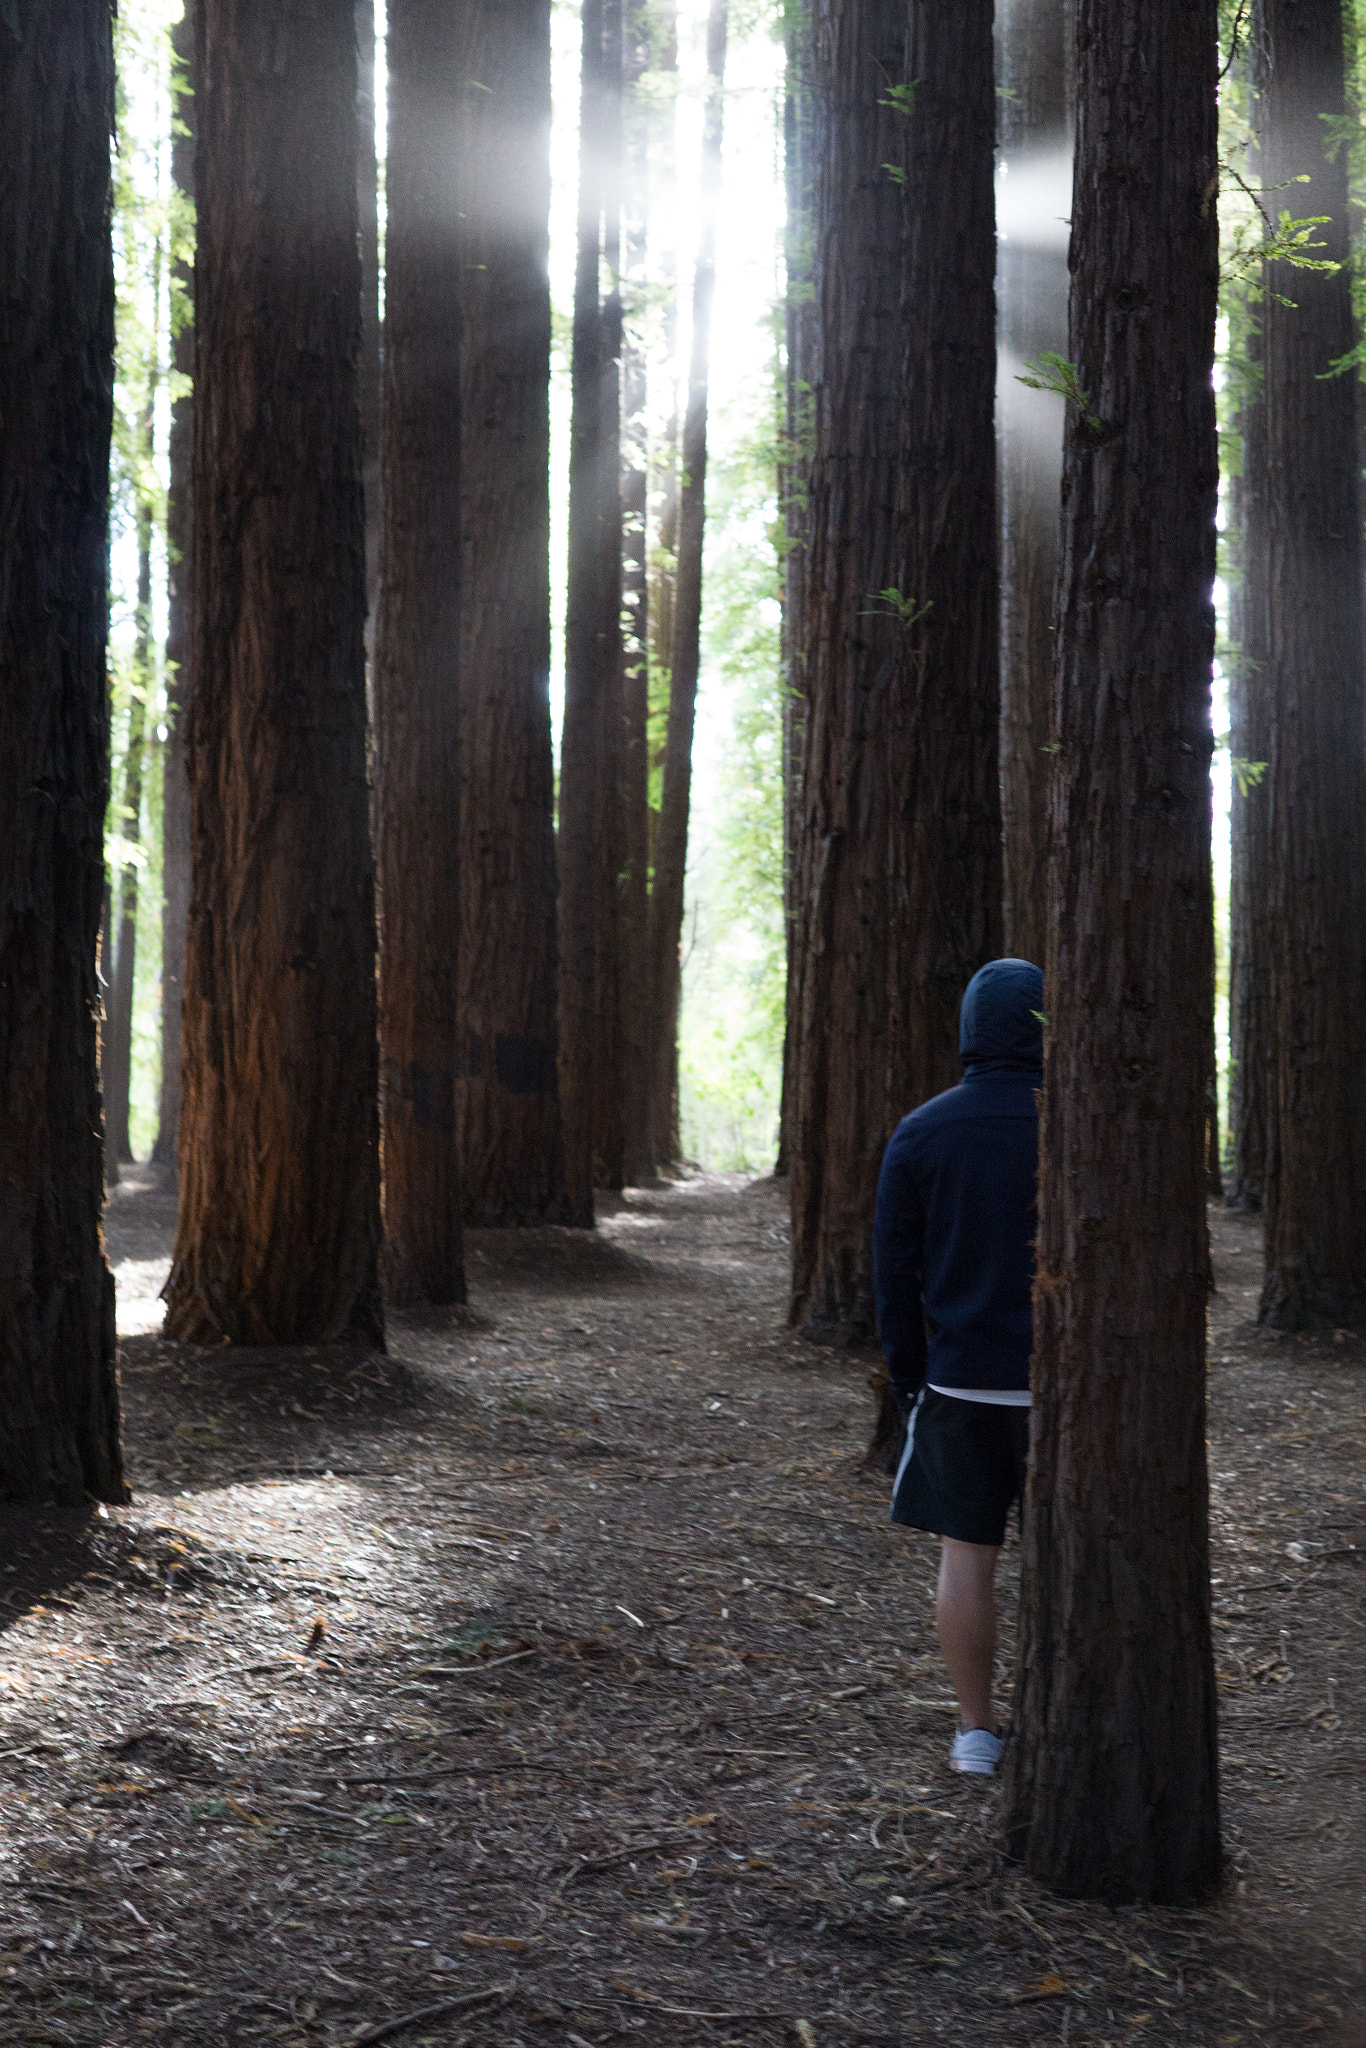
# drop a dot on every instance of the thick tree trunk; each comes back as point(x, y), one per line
point(506, 1091)
point(1315, 792)
point(59, 1412)
point(279, 1162)
point(1111, 1788)
point(900, 859)
point(671, 845)
point(1035, 136)
point(417, 655)
point(633, 1008)
point(175, 788)
point(588, 639)
point(367, 206)
point(1250, 881)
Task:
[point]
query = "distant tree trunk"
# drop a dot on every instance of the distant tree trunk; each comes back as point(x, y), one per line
point(59, 1409)
point(506, 1092)
point(900, 860)
point(1315, 794)
point(587, 638)
point(1033, 52)
point(671, 845)
point(634, 911)
point(118, 1032)
point(793, 486)
point(610, 1084)
point(664, 455)
point(175, 797)
point(1111, 1788)
point(1250, 881)
point(279, 1165)
point(367, 204)
point(417, 652)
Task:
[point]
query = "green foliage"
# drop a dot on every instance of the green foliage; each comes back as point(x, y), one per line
point(1053, 372)
point(907, 611)
point(901, 100)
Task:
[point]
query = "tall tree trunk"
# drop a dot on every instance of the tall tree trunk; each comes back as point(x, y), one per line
point(1315, 791)
point(1250, 879)
point(367, 205)
point(664, 455)
point(417, 656)
point(900, 862)
point(279, 1214)
point(1032, 55)
point(118, 1034)
point(175, 788)
point(793, 488)
point(1111, 1788)
point(506, 1092)
point(633, 1008)
point(671, 845)
point(59, 1410)
point(582, 793)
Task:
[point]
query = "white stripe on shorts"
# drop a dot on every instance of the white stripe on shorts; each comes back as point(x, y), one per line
point(910, 1446)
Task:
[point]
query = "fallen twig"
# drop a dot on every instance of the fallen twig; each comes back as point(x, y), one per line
point(383, 2028)
point(473, 1670)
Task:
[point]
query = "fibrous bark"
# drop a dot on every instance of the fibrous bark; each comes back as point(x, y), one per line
point(899, 858)
point(506, 1091)
point(175, 788)
point(671, 844)
point(117, 1060)
point(1035, 138)
point(279, 1166)
point(1111, 1786)
point(417, 656)
point(59, 1414)
point(1314, 791)
point(367, 206)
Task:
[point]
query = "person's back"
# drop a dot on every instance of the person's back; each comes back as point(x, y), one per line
point(954, 1243)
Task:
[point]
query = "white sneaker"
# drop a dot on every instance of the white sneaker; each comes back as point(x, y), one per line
point(978, 1751)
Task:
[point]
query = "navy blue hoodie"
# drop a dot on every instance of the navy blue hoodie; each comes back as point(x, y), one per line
point(954, 1230)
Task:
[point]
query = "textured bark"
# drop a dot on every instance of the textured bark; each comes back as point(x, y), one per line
point(367, 206)
point(1032, 57)
point(1250, 882)
point(633, 1009)
point(589, 638)
point(59, 1416)
point(900, 859)
point(417, 655)
point(279, 1168)
point(506, 1092)
point(175, 788)
point(671, 844)
point(1315, 786)
point(1111, 1788)
point(117, 1064)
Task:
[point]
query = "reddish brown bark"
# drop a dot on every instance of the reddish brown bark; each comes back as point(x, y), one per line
point(367, 206)
point(899, 860)
point(59, 1411)
point(671, 843)
point(1111, 1788)
point(279, 1216)
point(417, 653)
point(506, 1092)
point(175, 788)
point(1315, 785)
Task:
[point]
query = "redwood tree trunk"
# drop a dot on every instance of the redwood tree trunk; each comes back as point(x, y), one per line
point(59, 1411)
point(1035, 137)
point(279, 1163)
point(1315, 793)
point(118, 1030)
point(175, 788)
point(1111, 1788)
point(506, 1092)
point(588, 638)
point(671, 844)
point(417, 656)
point(367, 204)
point(900, 863)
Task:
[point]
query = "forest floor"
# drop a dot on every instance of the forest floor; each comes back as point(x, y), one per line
point(558, 1679)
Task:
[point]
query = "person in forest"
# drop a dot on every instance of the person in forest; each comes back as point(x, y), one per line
point(954, 1258)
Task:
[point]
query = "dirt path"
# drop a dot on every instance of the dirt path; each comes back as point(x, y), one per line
point(558, 1679)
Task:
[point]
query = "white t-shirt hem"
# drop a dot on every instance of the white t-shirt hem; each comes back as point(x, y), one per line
point(995, 1397)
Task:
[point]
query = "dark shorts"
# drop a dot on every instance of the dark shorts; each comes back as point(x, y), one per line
point(963, 1469)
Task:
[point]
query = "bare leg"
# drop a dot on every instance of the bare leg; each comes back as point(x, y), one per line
point(966, 1613)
